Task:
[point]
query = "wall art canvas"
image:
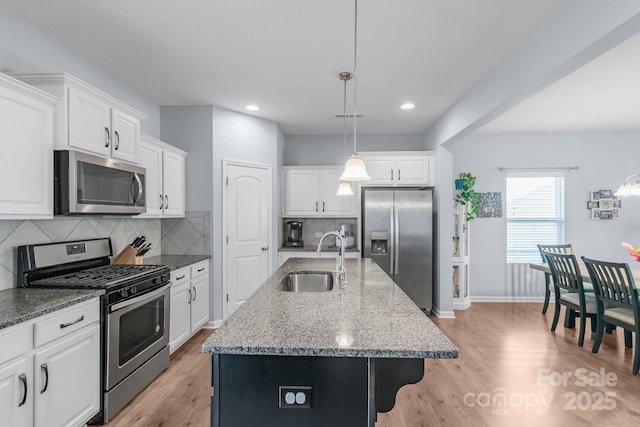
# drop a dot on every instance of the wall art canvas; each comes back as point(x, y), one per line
point(490, 205)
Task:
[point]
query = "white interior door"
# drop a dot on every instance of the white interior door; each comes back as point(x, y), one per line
point(248, 230)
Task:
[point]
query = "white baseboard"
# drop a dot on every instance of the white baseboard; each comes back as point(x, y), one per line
point(213, 324)
point(443, 314)
point(508, 299)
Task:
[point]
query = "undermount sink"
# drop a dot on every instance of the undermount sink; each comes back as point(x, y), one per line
point(307, 281)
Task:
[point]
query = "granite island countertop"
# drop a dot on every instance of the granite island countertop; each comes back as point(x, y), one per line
point(314, 248)
point(370, 308)
point(18, 305)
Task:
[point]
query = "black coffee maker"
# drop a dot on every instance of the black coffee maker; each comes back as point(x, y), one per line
point(293, 236)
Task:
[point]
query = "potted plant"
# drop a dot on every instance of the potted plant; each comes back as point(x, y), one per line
point(466, 193)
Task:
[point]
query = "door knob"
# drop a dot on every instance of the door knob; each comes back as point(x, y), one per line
point(265, 248)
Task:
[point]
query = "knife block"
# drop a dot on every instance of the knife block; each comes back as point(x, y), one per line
point(127, 256)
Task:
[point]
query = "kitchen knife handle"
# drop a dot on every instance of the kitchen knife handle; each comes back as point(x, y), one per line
point(107, 137)
point(23, 380)
point(46, 377)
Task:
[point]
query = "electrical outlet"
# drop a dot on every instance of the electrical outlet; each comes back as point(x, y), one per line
point(295, 397)
point(318, 234)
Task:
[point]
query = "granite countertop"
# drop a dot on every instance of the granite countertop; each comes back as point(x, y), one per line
point(314, 248)
point(175, 262)
point(370, 308)
point(18, 305)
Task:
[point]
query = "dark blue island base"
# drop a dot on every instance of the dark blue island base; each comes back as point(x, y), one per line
point(277, 391)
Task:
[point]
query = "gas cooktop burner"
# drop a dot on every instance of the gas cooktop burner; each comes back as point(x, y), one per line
point(103, 277)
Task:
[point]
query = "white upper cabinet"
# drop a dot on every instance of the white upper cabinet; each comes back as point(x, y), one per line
point(26, 151)
point(396, 169)
point(165, 182)
point(88, 119)
point(311, 192)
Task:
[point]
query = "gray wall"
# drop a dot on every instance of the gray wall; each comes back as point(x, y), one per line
point(211, 134)
point(309, 150)
point(25, 48)
point(605, 160)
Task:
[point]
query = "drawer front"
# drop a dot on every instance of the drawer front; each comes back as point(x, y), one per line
point(66, 321)
point(200, 269)
point(180, 275)
point(13, 342)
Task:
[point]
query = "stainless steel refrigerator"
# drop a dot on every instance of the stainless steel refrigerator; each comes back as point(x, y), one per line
point(397, 232)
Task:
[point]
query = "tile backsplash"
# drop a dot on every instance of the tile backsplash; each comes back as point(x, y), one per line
point(176, 236)
point(311, 226)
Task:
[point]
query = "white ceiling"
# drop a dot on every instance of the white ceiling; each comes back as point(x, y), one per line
point(601, 96)
point(285, 56)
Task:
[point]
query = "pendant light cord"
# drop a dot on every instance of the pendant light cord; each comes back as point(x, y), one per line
point(345, 117)
point(355, 73)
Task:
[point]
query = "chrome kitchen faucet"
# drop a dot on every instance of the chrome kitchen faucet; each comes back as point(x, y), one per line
point(341, 268)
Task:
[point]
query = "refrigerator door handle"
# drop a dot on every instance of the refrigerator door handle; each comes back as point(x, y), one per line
point(391, 243)
point(396, 240)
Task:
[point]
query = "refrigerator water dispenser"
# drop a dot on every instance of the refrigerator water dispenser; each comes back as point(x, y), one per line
point(379, 242)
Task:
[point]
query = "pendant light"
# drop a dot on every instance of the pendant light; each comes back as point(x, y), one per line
point(630, 187)
point(345, 188)
point(354, 169)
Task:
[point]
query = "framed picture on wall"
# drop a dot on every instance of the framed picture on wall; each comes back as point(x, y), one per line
point(595, 213)
point(593, 205)
point(595, 195)
point(605, 194)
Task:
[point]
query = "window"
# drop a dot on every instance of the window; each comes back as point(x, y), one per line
point(535, 214)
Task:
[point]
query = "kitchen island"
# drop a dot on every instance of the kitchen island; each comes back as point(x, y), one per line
point(320, 358)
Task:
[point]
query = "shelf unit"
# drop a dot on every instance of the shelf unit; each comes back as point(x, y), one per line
point(461, 258)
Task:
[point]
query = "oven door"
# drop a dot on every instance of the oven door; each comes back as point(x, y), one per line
point(137, 329)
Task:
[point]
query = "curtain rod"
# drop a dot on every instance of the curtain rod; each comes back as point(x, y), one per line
point(568, 168)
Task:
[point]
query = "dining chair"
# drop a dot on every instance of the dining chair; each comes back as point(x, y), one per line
point(617, 303)
point(569, 291)
point(548, 286)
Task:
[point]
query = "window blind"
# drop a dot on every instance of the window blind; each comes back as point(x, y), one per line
point(535, 215)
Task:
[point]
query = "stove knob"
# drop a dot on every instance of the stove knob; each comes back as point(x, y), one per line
point(123, 292)
point(133, 290)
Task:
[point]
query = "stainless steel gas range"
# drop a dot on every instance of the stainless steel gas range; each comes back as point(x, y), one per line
point(135, 311)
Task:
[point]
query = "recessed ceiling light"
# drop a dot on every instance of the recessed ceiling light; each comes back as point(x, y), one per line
point(252, 107)
point(408, 106)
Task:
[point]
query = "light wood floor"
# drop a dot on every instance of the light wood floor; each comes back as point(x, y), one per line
point(508, 357)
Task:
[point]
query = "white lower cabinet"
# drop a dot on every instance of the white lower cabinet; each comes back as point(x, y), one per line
point(50, 368)
point(189, 302)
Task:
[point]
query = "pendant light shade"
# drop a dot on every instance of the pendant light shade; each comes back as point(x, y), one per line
point(630, 187)
point(344, 189)
point(354, 169)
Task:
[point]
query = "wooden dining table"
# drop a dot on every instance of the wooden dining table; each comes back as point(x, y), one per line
point(544, 267)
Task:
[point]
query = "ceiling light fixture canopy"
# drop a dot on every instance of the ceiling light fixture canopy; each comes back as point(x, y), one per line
point(252, 107)
point(630, 187)
point(354, 169)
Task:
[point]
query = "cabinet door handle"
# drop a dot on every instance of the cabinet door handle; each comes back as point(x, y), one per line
point(166, 202)
point(46, 377)
point(161, 202)
point(107, 137)
point(195, 294)
point(200, 269)
point(391, 174)
point(116, 136)
point(66, 325)
point(322, 206)
point(189, 300)
point(181, 277)
point(265, 248)
point(316, 206)
point(398, 174)
point(23, 380)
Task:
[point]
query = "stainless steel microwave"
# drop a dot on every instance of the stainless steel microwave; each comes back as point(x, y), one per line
point(92, 185)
